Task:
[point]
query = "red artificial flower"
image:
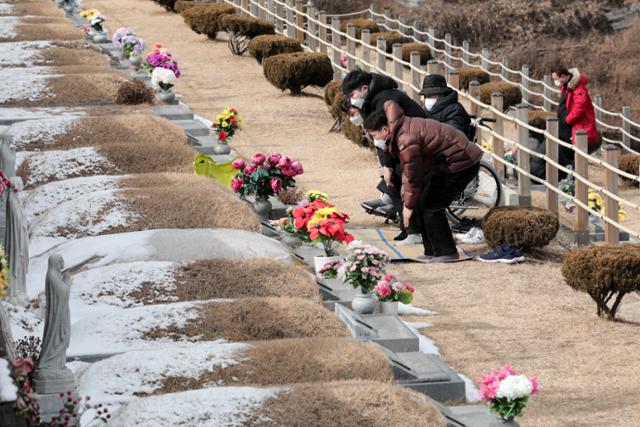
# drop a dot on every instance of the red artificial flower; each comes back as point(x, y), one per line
point(232, 121)
point(222, 136)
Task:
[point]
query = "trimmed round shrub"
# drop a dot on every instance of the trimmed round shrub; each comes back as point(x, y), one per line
point(295, 71)
point(539, 114)
point(134, 92)
point(511, 94)
point(262, 47)
point(391, 37)
point(354, 133)
point(205, 18)
point(242, 29)
point(360, 24)
point(182, 5)
point(331, 90)
point(469, 74)
point(336, 106)
point(422, 49)
point(606, 272)
point(527, 227)
point(167, 4)
point(630, 163)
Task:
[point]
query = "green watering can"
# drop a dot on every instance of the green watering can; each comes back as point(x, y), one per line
point(207, 166)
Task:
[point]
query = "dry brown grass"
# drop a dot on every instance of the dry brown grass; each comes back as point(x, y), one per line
point(331, 90)
point(391, 37)
point(510, 93)
point(62, 31)
point(469, 74)
point(135, 92)
point(421, 48)
point(219, 278)
point(251, 319)
point(36, 9)
point(72, 56)
point(349, 403)
point(294, 361)
point(149, 157)
point(360, 24)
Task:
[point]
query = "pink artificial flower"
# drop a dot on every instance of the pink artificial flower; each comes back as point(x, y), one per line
point(409, 288)
point(536, 386)
point(258, 158)
point(238, 164)
point(24, 365)
point(389, 277)
point(285, 162)
point(276, 184)
point(274, 158)
point(344, 60)
point(287, 171)
point(237, 184)
point(250, 169)
point(397, 286)
point(297, 168)
point(383, 289)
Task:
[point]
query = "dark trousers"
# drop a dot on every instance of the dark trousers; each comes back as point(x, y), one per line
point(436, 196)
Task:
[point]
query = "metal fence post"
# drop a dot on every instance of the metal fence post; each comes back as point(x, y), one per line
point(551, 148)
point(300, 20)
point(324, 40)
point(524, 182)
point(611, 232)
point(626, 113)
point(582, 191)
point(351, 46)
point(365, 36)
point(497, 145)
point(381, 60)
point(525, 84)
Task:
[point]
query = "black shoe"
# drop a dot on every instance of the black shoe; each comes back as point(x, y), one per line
point(403, 235)
point(372, 205)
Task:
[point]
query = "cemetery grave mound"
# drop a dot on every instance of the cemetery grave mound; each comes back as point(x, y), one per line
point(32, 32)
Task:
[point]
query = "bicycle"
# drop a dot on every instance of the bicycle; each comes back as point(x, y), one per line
point(483, 192)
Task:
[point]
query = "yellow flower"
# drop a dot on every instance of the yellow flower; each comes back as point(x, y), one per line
point(486, 145)
point(224, 124)
point(320, 215)
point(317, 195)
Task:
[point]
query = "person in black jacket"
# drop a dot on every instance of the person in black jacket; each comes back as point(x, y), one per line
point(366, 93)
point(441, 103)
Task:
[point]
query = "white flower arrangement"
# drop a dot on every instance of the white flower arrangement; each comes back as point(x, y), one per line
point(515, 387)
point(97, 20)
point(162, 78)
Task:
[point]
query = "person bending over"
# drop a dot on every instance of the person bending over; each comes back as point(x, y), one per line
point(368, 92)
point(437, 161)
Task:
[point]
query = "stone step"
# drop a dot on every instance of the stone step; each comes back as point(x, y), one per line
point(192, 127)
point(427, 374)
point(386, 330)
point(174, 112)
point(473, 416)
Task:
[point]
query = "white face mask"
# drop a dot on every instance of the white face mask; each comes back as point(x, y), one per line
point(380, 143)
point(429, 103)
point(357, 102)
point(558, 83)
point(357, 120)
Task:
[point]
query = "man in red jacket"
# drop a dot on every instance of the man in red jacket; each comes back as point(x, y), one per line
point(575, 111)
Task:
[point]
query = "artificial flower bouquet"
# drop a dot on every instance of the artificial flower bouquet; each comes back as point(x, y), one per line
point(89, 13)
point(507, 391)
point(159, 57)
point(330, 270)
point(126, 40)
point(265, 175)
point(96, 22)
point(596, 202)
point(313, 195)
point(389, 289)
point(227, 123)
point(327, 228)
point(364, 267)
point(162, 79)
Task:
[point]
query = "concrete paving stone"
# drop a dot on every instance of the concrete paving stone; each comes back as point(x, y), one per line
point(174, 112)
point(473, 416)
point(192, 127)
point(387, 330)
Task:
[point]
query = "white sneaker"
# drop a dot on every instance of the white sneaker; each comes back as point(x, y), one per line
point(477, 236)
point(412, 239)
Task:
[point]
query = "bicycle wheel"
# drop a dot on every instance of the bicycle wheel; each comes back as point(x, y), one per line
point(481, 194)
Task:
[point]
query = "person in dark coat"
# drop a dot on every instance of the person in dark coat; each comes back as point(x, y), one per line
point(367, 92)
point(441, 103)
point(438, 161)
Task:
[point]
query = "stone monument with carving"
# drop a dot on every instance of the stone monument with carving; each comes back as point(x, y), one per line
point(16, 245)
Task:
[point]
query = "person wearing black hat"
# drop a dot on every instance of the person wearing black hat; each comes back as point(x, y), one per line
point(441, 103)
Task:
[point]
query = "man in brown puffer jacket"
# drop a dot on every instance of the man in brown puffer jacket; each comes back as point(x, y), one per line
point(437, 161)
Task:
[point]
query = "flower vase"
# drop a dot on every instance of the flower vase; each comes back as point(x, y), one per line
point(166, 96)
point(100, 37)
point(321, 261)
point(262, 206)
point(389, 307)
point(136, 61)
point(364, 303)
point(221, 149)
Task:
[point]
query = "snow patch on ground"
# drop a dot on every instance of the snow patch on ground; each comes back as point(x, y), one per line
point(41, 131)
point(23, 83)
point(224, 406)
point(24, 322)
point(38, 200)
point(22, 54)
point(8, 390)
point(118, 378)
point(11, 114)
point(109, 287)
point(88, 215)
point(8, 26)
point(426, 345)
point(6, 9)
point(115, 331)
point(62, 164)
